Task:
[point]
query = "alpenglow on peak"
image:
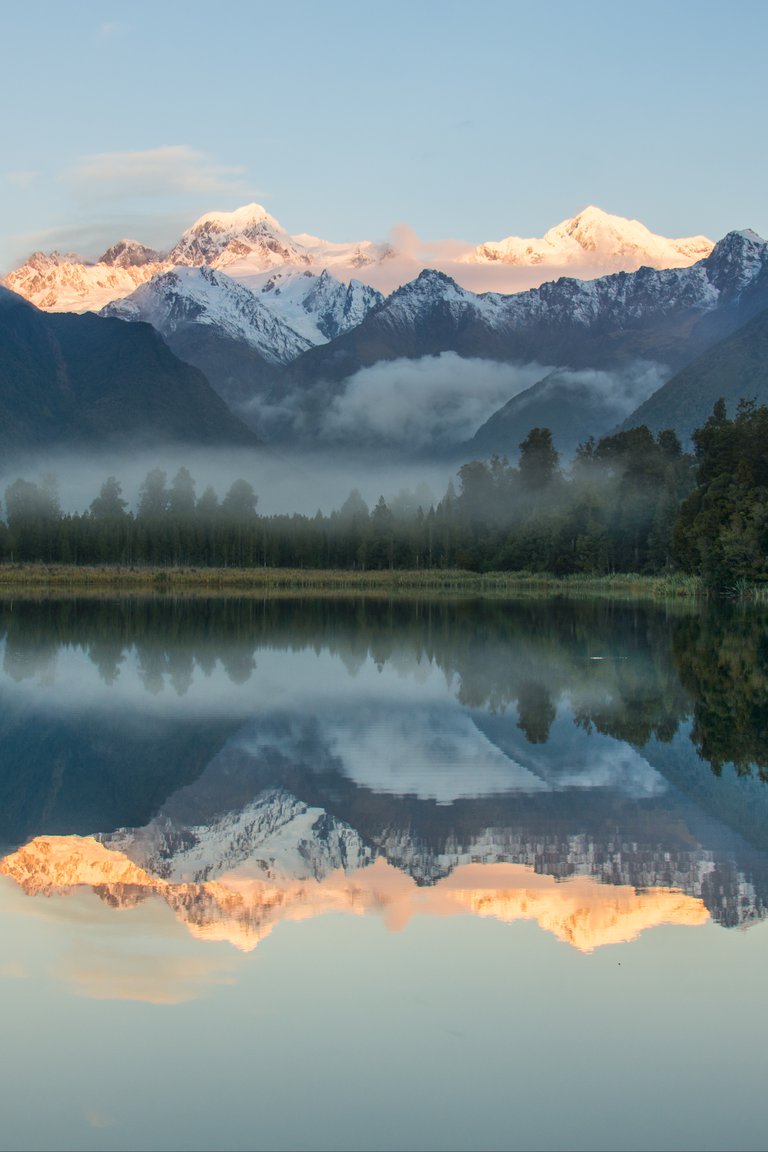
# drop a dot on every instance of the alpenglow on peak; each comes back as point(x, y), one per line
point(595, 237)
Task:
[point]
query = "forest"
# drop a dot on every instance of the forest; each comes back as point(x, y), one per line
point(629, 502)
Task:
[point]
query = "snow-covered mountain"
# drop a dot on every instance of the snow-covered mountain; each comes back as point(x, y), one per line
point(173, 301)
point(663, 314)
point(65, 283)
point(318, 307)
point(595, 240)
point(130, 254)
point(640, 326)
point(239, 336)
point(248, 234)
point(249, 241)
point(246, 242)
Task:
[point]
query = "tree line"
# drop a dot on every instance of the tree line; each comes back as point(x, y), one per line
point(630, 502)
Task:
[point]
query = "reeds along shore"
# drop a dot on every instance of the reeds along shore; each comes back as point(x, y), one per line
point(54, 580)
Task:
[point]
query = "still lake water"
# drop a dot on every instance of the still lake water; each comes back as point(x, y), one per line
point(353, 874)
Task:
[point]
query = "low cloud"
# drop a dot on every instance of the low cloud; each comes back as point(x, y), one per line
point(171, 170)
point(621, 390)
point(432, 402)
point(286, 481)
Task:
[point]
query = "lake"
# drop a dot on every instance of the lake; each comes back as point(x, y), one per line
point(371, 874)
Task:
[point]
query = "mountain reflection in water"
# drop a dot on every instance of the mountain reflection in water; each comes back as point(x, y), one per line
point(253, 762)
point(241, 907)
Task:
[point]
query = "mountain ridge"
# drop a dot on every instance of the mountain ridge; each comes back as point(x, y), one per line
point(249, 241)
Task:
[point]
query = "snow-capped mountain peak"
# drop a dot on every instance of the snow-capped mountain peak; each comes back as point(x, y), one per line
point(59, 283)
point(430, 287)
point(184, 296)
point(222, 238)
point(736, 260)
point(319, 307)
point(596, 240)
point(239, 220)
point(249, 241)
point(129, 254)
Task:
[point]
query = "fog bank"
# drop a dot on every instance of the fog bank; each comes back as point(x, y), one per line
point(285, 481)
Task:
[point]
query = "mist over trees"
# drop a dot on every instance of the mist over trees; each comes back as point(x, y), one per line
point(631, 502)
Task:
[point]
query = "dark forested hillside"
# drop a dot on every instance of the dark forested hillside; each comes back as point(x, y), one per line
point(68, 379)
point(736, 368)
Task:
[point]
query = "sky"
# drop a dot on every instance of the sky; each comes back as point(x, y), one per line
point(461, 120)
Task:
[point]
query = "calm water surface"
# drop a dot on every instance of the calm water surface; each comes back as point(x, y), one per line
point(319, 874)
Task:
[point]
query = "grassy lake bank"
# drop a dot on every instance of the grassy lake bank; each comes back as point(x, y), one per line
point(63, 580)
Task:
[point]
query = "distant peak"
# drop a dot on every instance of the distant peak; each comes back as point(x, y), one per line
point(594, 217)
point(749, 234)
point(592, 212)
point(238, 218)
point(738, 238)
point(432, 276)
point(129, 254)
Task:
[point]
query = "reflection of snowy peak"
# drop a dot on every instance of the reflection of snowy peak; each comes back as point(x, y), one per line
point(243, 909)
point(182, 297)
point(276, 835)
point(597, 239)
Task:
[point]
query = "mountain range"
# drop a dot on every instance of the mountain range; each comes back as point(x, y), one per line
point(287, 343)
point(249, 241)
point(613, 341)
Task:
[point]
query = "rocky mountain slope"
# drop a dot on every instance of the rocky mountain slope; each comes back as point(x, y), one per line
point(318, 307)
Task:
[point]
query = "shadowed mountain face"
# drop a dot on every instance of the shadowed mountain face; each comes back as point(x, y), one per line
point(83, 380)
point(735, 368)
point(573, 405)
point(237, 758)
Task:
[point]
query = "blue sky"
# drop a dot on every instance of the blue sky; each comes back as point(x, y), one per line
point(469, 120)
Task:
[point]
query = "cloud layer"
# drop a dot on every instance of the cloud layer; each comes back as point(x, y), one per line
point(154, 172)
point(434, 401)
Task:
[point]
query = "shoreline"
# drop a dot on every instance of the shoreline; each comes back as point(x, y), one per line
point(50, 581)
